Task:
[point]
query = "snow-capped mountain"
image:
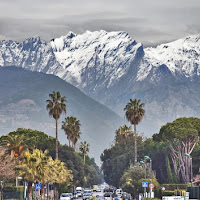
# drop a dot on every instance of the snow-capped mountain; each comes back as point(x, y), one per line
point(181, 57)
point(33, 54)
point(112, 67)
point(96, 60)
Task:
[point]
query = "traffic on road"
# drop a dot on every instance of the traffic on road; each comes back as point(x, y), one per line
point(97, 192)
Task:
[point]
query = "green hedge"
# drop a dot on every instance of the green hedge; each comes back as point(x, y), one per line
point(174, 186)
point(168, 193)
point(10, 188)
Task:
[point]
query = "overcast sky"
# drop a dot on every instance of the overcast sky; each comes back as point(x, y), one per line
point(148, 21)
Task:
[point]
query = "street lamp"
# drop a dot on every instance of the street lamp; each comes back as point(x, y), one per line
point(145, 176)
point(148, 158)
point(188, 155)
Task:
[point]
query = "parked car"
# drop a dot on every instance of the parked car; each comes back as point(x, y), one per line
point(107, 196)
point(98, 190)
point(76, 195)
point(79, 194)
point(126, 196)
point(66, 196)
point(87, 194)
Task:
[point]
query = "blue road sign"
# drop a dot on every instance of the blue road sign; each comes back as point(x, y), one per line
point(144, 184)
point(38, 187)
point(99, 197)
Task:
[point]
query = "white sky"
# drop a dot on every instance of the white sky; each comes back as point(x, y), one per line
point(148, 21)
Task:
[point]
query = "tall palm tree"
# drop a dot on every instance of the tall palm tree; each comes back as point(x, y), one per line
point(56, 106)
point(84, 148)
point(71, 127)
point(134, 113)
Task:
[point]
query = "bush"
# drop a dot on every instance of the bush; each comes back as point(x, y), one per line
point(168, 193)
point(175, 186)
point(9, 188)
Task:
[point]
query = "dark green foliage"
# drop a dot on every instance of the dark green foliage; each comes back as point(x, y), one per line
point(73, 160)
point(168, 193)
point(171, 176)
point(36, 139)
point(118, 158)
point(175, 186)
point(154, 181)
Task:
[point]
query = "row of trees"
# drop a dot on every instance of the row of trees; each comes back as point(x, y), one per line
point(56, 105)
point(34, 165)
point(84, 170)
point(38, 166)
point(167, 150)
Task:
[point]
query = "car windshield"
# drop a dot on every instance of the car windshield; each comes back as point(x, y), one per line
point(65, 195)
point(107, 195)
point(87, 191)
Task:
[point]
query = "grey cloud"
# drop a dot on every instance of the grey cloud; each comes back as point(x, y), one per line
point(150, 22)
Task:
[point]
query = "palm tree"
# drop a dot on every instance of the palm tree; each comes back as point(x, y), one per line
point(25, 169)
point(56, 106)
point(84, 148)
point(58, 173)
point(38, 167)
point(134, 114)
point(14, 145)
point(122, 134)
point(41, 167)
point(71, 126)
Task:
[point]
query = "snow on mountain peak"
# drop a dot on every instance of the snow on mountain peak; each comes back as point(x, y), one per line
point(92, 56)
point(181, 56)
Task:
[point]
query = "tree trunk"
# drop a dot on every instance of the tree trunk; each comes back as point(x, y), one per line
point(42, 195)
point(55, 191)
point(84, 158)
point(57, 138)
point(29, 190)
point(135, 147)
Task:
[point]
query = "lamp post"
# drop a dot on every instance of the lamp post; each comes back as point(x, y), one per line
point(148, 158)
point(191, 173)
point(145, 176)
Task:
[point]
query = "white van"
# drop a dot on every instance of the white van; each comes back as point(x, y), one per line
point(79, 191)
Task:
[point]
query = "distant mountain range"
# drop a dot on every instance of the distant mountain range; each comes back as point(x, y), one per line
point(23, 104)
point(111, 67)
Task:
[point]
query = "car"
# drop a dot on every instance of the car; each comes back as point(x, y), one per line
point(107, 196)
point(76, 195)
point(98, 190)
point(66, 196)
point(126, 196)
point(87, 194)
point(79, 194)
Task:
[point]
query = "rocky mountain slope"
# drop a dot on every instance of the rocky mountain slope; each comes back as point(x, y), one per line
point(112, 67)
point(23, 104)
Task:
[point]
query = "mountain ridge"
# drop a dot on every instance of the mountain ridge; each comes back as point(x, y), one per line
point(23, 104)
point(111, 67)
